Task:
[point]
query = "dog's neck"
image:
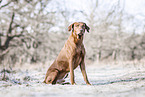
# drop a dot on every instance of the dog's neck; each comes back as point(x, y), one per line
point(77, 40)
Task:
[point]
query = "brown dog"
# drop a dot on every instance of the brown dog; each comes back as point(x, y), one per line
point(71, 55)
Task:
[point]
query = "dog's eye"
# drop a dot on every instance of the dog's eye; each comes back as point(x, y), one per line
point(83, 26)
point(77, 25)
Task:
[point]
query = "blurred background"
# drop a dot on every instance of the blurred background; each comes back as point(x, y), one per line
point(34, 31)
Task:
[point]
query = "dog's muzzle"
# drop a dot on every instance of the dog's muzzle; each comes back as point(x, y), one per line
point(80, 35)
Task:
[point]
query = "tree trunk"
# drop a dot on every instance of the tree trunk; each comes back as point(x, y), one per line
point(98, 56)
point(114, 55)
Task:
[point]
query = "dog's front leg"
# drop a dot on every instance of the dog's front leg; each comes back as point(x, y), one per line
point(71, 72)
point(82, 67)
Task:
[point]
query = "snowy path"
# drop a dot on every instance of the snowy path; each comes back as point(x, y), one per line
point(106, 80)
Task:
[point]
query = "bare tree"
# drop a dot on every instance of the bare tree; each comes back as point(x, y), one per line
point(22, 23)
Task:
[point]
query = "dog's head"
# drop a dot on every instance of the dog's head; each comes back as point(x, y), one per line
point(78, 29)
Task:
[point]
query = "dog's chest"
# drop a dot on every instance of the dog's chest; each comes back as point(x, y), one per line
point(78, 57)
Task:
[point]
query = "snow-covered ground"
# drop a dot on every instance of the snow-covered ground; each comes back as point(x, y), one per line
point(126, 79)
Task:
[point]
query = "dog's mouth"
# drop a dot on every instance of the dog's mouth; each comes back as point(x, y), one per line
point(79, 36)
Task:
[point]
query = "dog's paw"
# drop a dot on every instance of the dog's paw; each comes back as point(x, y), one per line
point(89, 84)
point(73, 84)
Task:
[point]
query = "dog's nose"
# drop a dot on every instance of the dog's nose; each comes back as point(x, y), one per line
point(80, 34)
point(81, 30)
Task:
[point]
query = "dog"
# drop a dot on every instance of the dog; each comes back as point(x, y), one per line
point(70, 56)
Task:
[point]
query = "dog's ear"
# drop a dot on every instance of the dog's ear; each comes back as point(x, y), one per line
point(71, 27)
point(87, 28)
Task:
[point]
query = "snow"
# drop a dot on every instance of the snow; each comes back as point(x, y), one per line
point(108, 80)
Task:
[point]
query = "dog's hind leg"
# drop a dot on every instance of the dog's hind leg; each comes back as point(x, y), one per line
point(52, 77)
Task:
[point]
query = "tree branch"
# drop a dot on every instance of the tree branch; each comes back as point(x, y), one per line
point(9, 38)
point(4, 5)
point(1, 1)
point(5, 52)
point(10, 26)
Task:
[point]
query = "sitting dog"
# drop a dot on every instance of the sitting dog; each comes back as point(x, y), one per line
point(70, 56)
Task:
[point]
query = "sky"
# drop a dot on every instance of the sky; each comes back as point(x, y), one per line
point(132, 7)
point(135, 8)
